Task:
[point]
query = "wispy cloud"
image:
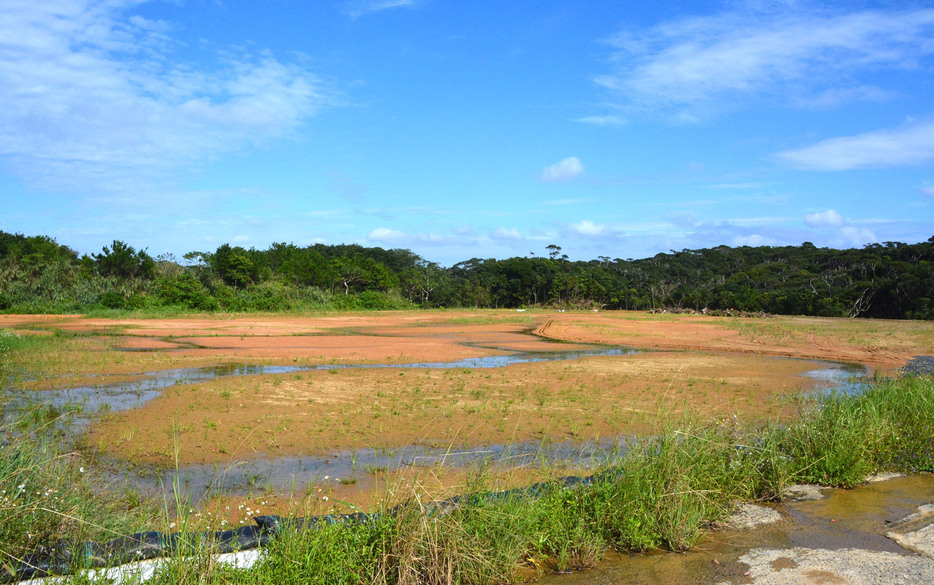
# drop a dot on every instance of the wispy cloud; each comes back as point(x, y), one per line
point(394, 213)
point(696, 66)
point(92, 97)
point(824, 218)
point(837, 229)
point(358, 8)
point(610, 120)
point(386, 235)
point(565, 170)
point(502, 233)
point(737, 186)
point(573, 201)
point(911, 145)
point(396, 238)
point(347, 188)
point(837, 96)
point(587, 227)
point(753, 240)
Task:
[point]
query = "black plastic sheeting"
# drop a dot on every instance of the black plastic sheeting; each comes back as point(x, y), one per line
point(63, 558)
point(920, 365)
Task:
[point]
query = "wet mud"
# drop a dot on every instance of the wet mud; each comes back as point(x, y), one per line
point(285, 473)
point(297, 474)
point(89, 400)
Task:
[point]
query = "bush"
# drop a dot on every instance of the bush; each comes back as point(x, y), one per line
point(267, 296)
point(371, 301)
point(113, 300)
point(187, 291)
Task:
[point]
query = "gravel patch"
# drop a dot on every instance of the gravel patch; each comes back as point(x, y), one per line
point(803, 566)
point(803, 492)
point(750, 516)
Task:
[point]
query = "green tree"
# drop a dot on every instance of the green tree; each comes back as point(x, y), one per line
point(234, 266)
point(122, 261)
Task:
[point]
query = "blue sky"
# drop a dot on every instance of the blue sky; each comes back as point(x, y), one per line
point(467, 129)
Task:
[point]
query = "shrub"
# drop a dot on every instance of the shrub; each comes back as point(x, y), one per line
point(186, 290)
point(113, 300)
point(371, 301)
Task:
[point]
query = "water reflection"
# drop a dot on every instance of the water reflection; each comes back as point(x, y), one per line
point(296, 474)
point(840, 378)
point(87, 401)
point(283, 473)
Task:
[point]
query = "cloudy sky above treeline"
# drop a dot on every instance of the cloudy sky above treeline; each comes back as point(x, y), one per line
point(467, 129)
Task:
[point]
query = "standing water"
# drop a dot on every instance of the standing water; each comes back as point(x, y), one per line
point(297, 473)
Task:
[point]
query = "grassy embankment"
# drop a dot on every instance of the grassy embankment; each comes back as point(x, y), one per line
point(662, 493)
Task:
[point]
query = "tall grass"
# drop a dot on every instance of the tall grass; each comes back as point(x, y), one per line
point(843, 438)
point(46, 497)
point(664, 492)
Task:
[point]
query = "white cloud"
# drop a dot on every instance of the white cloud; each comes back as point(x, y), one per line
point(502, 233)
point(854, 236)
point(929, 191)
point(587, 228)
point(753, 240)
point(565, 170)
point(828, 218)
point(696, 65)
point(836, 96)
point(602, 120)
point(92, 98)
point(386, 235)
point(358, 8)
point(838, 230)
point(397, 238)
point(911, 145)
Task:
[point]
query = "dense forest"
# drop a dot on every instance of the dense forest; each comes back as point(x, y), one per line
point(889, 280)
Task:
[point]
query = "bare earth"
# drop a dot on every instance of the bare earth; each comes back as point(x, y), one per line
point(719, 367)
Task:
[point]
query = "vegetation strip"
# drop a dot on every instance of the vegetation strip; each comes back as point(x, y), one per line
point(62, 558)
point(890, 280)
point(662, 493)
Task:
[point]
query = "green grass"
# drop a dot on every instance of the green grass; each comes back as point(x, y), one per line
point(46, 496)
point(664, 492)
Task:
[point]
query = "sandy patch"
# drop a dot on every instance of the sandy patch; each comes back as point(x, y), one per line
point(324, 411)
point(724, 369)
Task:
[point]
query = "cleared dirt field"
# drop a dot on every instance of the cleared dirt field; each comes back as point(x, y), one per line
point(716, 367)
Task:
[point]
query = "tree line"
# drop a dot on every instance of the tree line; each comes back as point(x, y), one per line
point(888, 280)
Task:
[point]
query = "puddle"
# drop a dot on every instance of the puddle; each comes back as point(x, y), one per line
point(287, 473)
point(362, 466)
point(87, 401)
point(844, 519)
point(840, 378)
